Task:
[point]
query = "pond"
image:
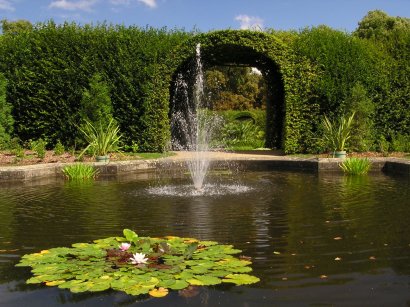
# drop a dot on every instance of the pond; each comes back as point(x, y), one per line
point(314, 239)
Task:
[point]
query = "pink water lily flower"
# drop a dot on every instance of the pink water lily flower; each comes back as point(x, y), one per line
point(124, 246)
point(138, 258)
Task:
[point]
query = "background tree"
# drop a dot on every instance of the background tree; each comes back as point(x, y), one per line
point(234, 88)
point(15, 27)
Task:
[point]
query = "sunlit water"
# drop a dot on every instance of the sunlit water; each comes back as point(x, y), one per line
point(315, 239)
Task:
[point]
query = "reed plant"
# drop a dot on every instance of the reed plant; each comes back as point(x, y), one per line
point(80, 171)
point(356, 166)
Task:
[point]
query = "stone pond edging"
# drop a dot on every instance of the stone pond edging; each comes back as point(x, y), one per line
point(243, 162)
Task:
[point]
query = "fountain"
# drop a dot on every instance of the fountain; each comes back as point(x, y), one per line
point(192, 123)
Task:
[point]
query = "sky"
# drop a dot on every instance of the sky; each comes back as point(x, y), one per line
point(204, 15)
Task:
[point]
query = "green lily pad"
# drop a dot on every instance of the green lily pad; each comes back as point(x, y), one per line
point(170, 263)
point(241, 279)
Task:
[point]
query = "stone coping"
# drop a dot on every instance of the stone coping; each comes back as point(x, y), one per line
point(218, 160)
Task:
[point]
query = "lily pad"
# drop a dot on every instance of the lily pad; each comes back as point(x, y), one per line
point(159, 265)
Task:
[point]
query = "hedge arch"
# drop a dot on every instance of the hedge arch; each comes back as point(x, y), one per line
point(291, 115)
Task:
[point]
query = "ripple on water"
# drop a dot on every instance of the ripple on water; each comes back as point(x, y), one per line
point(207, 190)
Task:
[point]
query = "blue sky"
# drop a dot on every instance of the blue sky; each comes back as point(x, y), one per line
point(204, 15)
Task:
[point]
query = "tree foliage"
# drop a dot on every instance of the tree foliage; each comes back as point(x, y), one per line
point(6, 120)
point(15, 27)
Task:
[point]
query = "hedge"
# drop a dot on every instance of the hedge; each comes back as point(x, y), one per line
point(309, 73)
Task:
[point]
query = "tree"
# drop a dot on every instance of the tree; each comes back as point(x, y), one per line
point(378, 25)
point(15, 27)
point(362, 137)
point(6, 119)
point(96, 105)
point(234, 87)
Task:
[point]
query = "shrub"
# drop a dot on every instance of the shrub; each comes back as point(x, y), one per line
point(356, 166)
point(59, 148)
point(39, 147)
point(401, 142)
point(16, 148)
point(80, 172)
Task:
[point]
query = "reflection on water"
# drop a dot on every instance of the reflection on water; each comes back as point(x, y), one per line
point(314, 239)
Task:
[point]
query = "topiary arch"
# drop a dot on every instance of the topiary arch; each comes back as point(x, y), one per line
point(290, 115)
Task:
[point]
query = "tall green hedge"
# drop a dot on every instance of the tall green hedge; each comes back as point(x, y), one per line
point(51, 66)
point(309, 73)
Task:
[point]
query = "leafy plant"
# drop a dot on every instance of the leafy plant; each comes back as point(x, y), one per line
point(401, 142)
point(102, 139)
point(59, 148)
point(39, 147)
point(80, 171)
point(16, 148)
point(242, 134)
point(356, 166)
point(337, 133)
point(138, 265)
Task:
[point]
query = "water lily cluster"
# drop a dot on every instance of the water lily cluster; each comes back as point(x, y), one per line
point(139, 265)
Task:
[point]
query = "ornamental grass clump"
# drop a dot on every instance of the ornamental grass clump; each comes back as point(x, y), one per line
point(337, 133)
point(101, 139)
point(80, 172)
point(356, 166)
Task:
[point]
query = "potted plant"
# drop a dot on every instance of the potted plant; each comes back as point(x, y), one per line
point(337, 133)
point(102, 140)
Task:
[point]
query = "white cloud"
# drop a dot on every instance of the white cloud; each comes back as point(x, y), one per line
point(250, 22)
point(120, 2)
point(150, 3)
point(6, 5)
point(81, 5)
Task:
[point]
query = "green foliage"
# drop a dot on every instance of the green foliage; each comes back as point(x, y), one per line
point(234, 88)
point(54, 72)
point(39, 147)
point(344, 61)
point(356, 166)
point(170, 263)
point(59, 148)
point(337, 133)
point(362, 135)
point(96, 105)
point(80, 171)
point(15, 27)
point(241, 130)
point(6, 119)
point(392, 36)
point(400, 143)
point(16, 148)
point(101, 139)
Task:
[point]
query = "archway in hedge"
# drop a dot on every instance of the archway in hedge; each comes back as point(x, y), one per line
point(283, 76)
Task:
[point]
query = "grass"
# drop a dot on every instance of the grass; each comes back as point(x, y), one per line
point(356, 166)
point(80, 171)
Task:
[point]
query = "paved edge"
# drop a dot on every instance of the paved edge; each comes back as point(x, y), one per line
point(242, 162)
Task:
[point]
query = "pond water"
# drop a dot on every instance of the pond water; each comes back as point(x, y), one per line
point(315, 239)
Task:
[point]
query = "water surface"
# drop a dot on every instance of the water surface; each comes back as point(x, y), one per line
point(315, 239)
